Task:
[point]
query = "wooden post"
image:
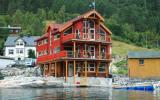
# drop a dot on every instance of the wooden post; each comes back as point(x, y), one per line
point(74, 48)
point(50, 66)
point(99, 46)
point(107, 70)
point(74, 70)
point(66, 78)
point(55, 69)
point(85, 68)
point(44, 70)
point(97, 68)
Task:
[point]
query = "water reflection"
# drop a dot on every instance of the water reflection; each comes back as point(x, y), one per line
point(75, 94)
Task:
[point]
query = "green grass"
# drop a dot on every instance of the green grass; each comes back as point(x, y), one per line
point(121, 48)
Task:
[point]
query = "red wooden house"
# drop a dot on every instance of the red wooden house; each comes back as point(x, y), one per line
point(81, 46)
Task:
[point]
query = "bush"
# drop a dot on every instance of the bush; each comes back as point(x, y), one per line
point(122, 67)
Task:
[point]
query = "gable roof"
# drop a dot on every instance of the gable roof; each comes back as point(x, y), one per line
point(29, 40)
point(62, 27)
point(144, 54)
point(85, 15)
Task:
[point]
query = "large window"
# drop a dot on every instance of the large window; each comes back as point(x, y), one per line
point(10, 51)
point(102, 67)
point(68, 31)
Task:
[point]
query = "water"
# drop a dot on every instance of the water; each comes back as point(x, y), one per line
point(75, 94)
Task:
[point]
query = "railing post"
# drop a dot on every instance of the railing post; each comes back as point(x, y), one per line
point(74, 48)
point(55, 68)
point(85, 68)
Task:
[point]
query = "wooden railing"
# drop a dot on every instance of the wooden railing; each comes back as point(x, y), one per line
point(87, 54)
point(98, 37)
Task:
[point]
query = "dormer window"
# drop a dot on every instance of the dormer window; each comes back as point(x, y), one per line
point(19, 43)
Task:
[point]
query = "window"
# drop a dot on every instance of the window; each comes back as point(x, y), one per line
point(85, 29)
point(10, 52)
point(19, 43)
point(91, 67)
point(56, 50)
point(39, 43)
point(56, 36)
point(77, 33)
point(46, 52)
point(40, 53)
point(102, 34)
point(68, 31)
point(19, 51)
point(103, 52)
point(141, 61)
point(102, 67)
point(45, 41)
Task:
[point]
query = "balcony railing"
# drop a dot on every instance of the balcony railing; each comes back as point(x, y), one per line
point(86, 36)
point(87, 54)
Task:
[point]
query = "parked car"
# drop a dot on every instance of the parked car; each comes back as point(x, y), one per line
point(30, 62)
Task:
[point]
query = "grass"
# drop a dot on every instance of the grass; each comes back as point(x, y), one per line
point(121, 48)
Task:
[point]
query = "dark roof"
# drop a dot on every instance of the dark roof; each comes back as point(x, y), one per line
point(29, 40)
point(144, 54)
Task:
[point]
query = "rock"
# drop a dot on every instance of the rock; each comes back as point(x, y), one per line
point(33, 71)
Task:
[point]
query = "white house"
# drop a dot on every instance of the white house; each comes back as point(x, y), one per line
point(19, 46)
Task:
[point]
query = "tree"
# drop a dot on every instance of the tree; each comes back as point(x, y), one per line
point(17, 18)
point(31, 53)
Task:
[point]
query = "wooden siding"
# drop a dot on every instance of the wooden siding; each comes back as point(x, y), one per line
point(149, 70)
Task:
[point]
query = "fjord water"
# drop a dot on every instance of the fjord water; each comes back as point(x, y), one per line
point(75, 94)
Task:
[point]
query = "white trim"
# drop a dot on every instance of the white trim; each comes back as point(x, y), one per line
point(89, 67)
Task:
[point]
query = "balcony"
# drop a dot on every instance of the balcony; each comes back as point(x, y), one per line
point(81, 55)
point(97, 38)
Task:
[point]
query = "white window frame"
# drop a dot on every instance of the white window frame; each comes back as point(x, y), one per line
point(10, 51)
point(89, 67)
point(19, 51)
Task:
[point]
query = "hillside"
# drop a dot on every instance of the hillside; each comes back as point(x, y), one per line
point(121, 48)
